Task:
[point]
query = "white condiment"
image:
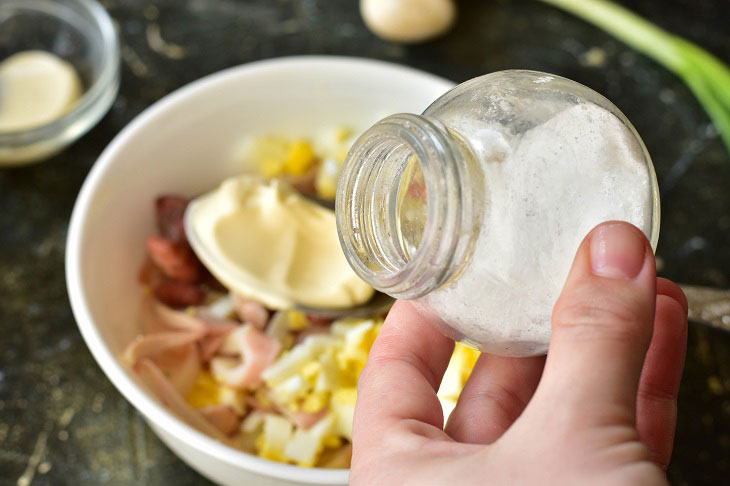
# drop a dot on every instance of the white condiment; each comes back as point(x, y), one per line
point(36, 88)
point(526, 256)
point(266, 242)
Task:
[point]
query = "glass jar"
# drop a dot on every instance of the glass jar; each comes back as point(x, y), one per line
point(474, 209)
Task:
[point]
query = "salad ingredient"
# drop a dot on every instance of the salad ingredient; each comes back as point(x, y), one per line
point(170, 212)
point(457, 372)
point(251, 311)
point(222, 418)
point(174, 259)
point(305, 445)
point(156, 380)
point(266, 242)
point(36, 88)
point(408, 20)
point(704, 74)
point(256, 351)
point(207, 392)
point(178, 293)
point(312, 166)
point(153, 344)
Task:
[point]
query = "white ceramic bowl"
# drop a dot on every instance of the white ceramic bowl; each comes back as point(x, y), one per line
point(187, 143)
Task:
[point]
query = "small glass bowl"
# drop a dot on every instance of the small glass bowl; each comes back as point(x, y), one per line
point(80, 32)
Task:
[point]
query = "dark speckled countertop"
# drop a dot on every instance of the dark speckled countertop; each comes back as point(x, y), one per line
point(61, 420)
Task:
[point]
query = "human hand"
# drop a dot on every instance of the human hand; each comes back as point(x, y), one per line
point(600, 409)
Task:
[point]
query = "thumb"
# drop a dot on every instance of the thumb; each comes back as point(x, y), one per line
point(602, 324)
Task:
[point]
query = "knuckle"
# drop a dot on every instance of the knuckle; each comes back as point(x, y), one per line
point(607, 317)
point(507, 404)
point(657, 393)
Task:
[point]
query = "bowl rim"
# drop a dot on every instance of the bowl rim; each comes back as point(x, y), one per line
point(88, 109)
point(115, 372)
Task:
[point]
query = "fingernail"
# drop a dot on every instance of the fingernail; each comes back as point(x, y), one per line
point(617, 251)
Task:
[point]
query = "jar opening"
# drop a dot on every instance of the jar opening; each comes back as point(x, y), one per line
point(411, 208)
point(403, 213)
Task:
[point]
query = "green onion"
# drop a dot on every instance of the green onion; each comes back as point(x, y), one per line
point(704, 74)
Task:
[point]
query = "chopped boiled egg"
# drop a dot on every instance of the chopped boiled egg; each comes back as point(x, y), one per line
point(207, 391)
point(343, 407)
point(359, 338)
point(460, 365)
point(326, 181)
point(297, 320)
point(253, 422)
point(290, 389)
point(300, 158)
point(447, 406)
point(328, 377)
point(306, 444)
point(269, 153)
point(314, 402)
point(221, 308)
point(274, 439)
point(291, 362)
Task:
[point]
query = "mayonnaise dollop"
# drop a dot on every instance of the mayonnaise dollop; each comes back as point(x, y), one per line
point(36, 88)
point(264, 241)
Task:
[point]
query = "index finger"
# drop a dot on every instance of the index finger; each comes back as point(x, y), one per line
point(402, 374)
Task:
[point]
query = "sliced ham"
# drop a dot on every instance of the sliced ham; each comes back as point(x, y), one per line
point(155, 344)
point(318, 320)
point(170, 211)
point(178, 327)
point(256, 350)
point(177, 293)
point(158, 317)
point(303, 420)
point(176, 260)
point(210, 345)
point(156, 380)
point(215, 326)
point(150, 275)
point(222, 417)
point(185, 370)
point(251, 312)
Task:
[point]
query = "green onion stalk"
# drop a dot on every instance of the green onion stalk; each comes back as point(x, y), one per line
point(704, 74)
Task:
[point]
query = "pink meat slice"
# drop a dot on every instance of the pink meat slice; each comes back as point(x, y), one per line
point(210, 345)
point(257, 352)
point(184, 371)
point(170, 211)
point(176, 260)
point(177, 293)
point(157, 317)
point(150, 345)
point(156, 380)
point(251, 312)
point(304, 420)
point(222, 417)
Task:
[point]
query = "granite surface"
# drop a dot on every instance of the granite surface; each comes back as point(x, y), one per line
point(61, 420)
